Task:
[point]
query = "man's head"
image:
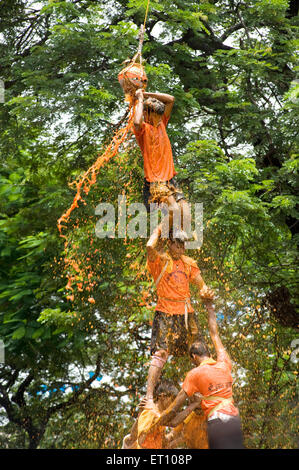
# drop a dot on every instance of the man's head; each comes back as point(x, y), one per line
point(199, 352)
point(176, 244)
point(164, 393)
point(154, 105)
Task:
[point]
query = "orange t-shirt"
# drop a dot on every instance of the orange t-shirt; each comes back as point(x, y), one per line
point(156, 150)
point(212, 378)
point(174, 284)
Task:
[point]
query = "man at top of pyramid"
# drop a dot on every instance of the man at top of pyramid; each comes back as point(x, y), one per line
point(152, 114)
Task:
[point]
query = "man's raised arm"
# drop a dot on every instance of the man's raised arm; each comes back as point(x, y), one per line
point(138, 118)
point(213, 328)
point(204, 291)
point(153, 244)
point(168, 415)
point(168, 100)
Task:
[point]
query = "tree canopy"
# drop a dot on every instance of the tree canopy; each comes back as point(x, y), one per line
point(74, 370)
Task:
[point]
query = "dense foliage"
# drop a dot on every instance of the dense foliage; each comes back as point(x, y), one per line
point(74, 370)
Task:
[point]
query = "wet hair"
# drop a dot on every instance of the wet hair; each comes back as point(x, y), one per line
point(158, 108)
point(199, 348)
point(165, 387)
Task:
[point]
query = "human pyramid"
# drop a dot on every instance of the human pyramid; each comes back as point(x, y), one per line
point(209, 419)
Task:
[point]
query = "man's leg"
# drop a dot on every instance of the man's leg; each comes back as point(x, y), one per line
point(171, 221)
point(181, 208)
point(185, 215)
point(158, 361)
point(159, 355)
point(163, 194)
point(178, 217)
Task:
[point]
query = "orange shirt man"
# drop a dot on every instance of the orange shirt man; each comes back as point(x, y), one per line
point(144, 433)
point(156, 150)
point(152, 113)
point(174, 284)
point(151, 118)
point(213, 380)
point(175, 324)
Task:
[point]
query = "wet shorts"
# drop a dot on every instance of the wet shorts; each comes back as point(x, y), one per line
point(225, 434)
point(169, 333)
point(171, 188)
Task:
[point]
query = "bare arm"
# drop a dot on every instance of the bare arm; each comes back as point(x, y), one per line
point(219, 347)
point(164, 97)
point(134, 431)
point(138, 117)
point(132, 437)
point(168, 415)
point(153, 244)
point(204, 291)
point(180, 417)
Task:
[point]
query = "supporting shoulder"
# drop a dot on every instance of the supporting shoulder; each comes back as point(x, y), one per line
point(189, 261)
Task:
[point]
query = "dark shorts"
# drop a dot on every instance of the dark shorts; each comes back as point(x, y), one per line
point(169, 333)
point(225, 434)
point(171, 184)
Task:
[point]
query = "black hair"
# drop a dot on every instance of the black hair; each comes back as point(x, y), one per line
point(165, 387)
point(199, 348)
point(160, 108)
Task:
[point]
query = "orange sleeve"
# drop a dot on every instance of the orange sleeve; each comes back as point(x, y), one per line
point(154, 267)
point(189, 384)
point(194, 273)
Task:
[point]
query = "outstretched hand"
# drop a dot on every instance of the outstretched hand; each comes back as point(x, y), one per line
point(206, 293)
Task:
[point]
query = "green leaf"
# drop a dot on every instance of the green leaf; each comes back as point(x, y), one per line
point(19, 295)
point(19, 333)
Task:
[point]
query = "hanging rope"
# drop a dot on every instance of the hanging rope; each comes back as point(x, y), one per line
point(133, 75)
point(146, 13)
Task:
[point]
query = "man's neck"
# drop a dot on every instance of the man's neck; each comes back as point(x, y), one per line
point(203, 359)
point(174, 258)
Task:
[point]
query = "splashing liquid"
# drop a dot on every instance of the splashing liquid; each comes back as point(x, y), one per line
point(74, 272)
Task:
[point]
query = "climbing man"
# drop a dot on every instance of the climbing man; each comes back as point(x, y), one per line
point(144, 434)
point(213, 380)
point(175, 325)
point(152, 114)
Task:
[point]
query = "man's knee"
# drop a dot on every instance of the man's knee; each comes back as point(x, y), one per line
point(159, 358)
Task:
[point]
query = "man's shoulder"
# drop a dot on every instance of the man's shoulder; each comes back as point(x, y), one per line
point(224, 361)
point(156, 259)
point(195, 372)
point(159, 256)
point(190, 384)
point(189, 261)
